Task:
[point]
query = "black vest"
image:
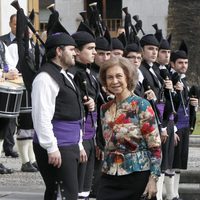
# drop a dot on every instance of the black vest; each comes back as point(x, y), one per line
point(80, 75)
point(68, 104)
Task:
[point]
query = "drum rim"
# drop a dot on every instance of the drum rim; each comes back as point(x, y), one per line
point(11, 91)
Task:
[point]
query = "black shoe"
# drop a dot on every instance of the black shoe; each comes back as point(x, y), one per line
point(35, 165)
point(13, 154)
point(5, 170)
point(28, 167)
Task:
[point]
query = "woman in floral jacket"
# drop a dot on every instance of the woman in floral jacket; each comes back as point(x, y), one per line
point(132, 153)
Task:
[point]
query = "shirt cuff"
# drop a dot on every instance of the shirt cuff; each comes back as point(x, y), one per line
point(52, 149)
point(80, 146)
point(175, 129)
point(163, 129)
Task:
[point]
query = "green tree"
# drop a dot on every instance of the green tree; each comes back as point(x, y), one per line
point(183, 23)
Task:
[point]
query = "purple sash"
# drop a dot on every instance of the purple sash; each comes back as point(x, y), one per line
point(161, 107)
point(183, 121)
point(66, 132)
point(89, 129)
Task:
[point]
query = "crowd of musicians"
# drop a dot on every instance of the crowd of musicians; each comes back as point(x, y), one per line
point(110, 117)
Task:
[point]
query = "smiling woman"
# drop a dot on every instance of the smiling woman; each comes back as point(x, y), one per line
point(132, 151)
point(118, 71)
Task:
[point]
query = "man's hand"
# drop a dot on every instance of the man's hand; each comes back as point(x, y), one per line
point(83, 156)
point(194, 101)
point(89, 103)
point(176, 139)
point(54, 159)
point(179, 86)
point(12, 74)
point(168, 84)
point(164, 136)
point(150, 94)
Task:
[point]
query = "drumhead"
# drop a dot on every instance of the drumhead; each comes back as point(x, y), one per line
point(8, 87)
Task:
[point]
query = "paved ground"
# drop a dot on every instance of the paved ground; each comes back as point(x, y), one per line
point(29, 186)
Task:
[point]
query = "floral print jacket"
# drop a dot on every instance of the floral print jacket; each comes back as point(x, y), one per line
point(132, 140)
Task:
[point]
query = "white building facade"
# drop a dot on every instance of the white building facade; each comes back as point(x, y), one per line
point(149, 11)
point(6, 10)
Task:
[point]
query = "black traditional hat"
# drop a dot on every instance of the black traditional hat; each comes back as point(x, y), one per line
point(149, 39)
point(104, 43)
point(165, 44)
point(119, 42)
point(58, 39)
point(81, 38)
point(181, 53)
point(84, 35)
point(134, 46)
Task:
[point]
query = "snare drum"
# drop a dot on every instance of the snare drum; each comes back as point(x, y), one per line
point(26, 97)
point(26, 102)
point(10, 99)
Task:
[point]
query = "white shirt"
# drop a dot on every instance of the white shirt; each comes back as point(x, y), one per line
point(12, 36)
point(44, 92)
point(140, 76)
point(12, 61)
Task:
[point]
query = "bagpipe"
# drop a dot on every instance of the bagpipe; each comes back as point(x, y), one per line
point(54, 25)
point(16, 5)
point(84, 16)
point(164, 72)
point(175, 79)
point(193, 93)
point(81, 80)
point(28, 64)
point(138, 24)
point(147, 86)
point(95, 20)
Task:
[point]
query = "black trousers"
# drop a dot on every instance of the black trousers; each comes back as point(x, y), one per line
point(182, 149)
point(168, 148)
point(66, 177)
point(96, 177)
point(85, 170)
point(3, 126)
point(9, 141)
point(126, 187)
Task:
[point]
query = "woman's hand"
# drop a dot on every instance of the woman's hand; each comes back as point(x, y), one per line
point(151, 188)
point(54, 159)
